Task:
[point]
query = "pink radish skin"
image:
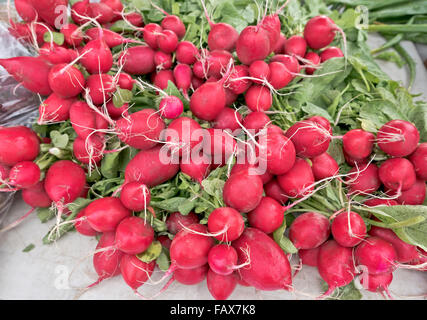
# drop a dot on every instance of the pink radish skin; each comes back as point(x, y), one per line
point(310, 140)
point(24, 174)
point(25, 10)
point(376, 254)
point(161, 79)
point(135, 196)
point(256, 121)
point(253, 44)
point(258, 98)
point(163, 61)
point(83, 119)
point(199, 70)
point(165, 241)
point(55, 109)
point(358, 144)
point(376, 283)
point(135, 19)
point(66, 81)
point(101, 87)
point(145, 167)
point(222, 259)
point(291, 63)
point(348, 229)
point(186, 52)
point(140, 129)
point(272, 189)
point(271, 25)
point(30, 72)
point(56, 54)
point(309, 256)
point(279, 47)
point(280, 77)
point(197, 168)
point(47, 11)
point(335, 265)
point(185, 136)
point(220, 286)
point(398, 138)
point(324, 166)
point(150, 34)
point(228, 119)
point(111, 38)
point(117, 113)
point(279, 154)
point(309, 230)
point(105, 214)
point(353, 162)
point(97, 56)
point(380, 202)
point(174, 23)
point(237, 85)
point(269, 268)
point(183, 74)
point(222, 36)
point(177, 221)
point(330, 53)
point(80, 8)
point(36, 196)
point(415, 195)
point(296, 45)
point(137, 60)
point(134, 235)
point(191, 276)
point(364, 179)
point(134, 271)
point(65, 182)
point(228, 221)
point(219, 145)
point(319, 32)
point(171, 107)
point(419, 159)
point(251, 169)
point(267, 216)
point(208, 101)
point(298, 181)
point(405, 252)
point(217, 62)
point(167, 41)
point(24, 32)
point(190, 250)
point(314, 58)
point(125, 81)
point(259, 69)
point(83, 227)
point(397, 174)
point(101, 12)
point(18, 144)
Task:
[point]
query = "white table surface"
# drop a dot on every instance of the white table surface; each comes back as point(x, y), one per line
point(58, 271)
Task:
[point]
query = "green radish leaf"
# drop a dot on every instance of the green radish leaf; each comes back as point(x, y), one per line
point(59, 140)
point(348, 292)
point(185, 207)
point(122, 96)
point(29, 248)
point(163, 260)
point(170, 205)
point(56, 37)
point(45, 214)
point(152, 253)
point(284, 243)
point(110, 165)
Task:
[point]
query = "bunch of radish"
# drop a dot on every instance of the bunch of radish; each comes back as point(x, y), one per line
point(88, 83)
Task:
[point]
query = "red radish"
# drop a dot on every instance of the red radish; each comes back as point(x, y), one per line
point(4, 172)
point(64, 183)
point(415, 195)
point(220, 286)
point(279, 47)
point(101, 87)
point(54, 109)
point(134, 271)
point(217, 61)
point(73, 36)
point(267, 216)
point(111, 38)
point(161, 79)
point(296, 45)
point(36, 196)
point(313, 59)
point(278, 152)
point(319, 32)
point(24, 174)
point(167, 41)
point(90, 150)
point(18, 144)
point(66, 80)
point(309, 138)
point(227, 223)
point(398, 138)
point(30, 72)
point(208, 100)
point(31, 33)
point(141, 130)
point(150, 34)
point(376, 254)
point(116, 5)
point(101, 12)
point(83, 227)
point(329, 53)
point(191, 276)
point(358, 144)
point(147, 167)
point(96, 56)
point(125, 81)
point(235, 82)
point(83, 119)
point(222, 259)
point(269, 268)
point(280, 77)
point(104, 214)
point(335, 265)
point(298, 181)
point(196, 167)
point(163, 61)
point(272, 189)
point(199, 70)
point(56, 54)
point(253, 191)
point(291, 63)
point(177, 221)
point(144, 57)
point(252, 169)
point(353, 162)
point(271, 25)
point(309, 256)
point(253, 44)
point(134, 235)
point(364, 179)
point(25, 10)
point(256, 121)
point(321, 122)
point(117, 113)
point(229, 119)
point(190, 249)
point(348, 229)
point(230, 97)
point(397, 174)
point(165, 241)
point(135, 19)
point(219, 145)
point(106, 262)
point(50, 10)
point(184, 136)
point(419, 159)
point(324, 166)
point(258, 98)
point(405, 251)
point(135, 196)
point(376, 283)
point(79, 10)
point(186, 53)
point(183, 74)
point(309, 230)
point(173, 23)
point(171, 107)
point(380, 202)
